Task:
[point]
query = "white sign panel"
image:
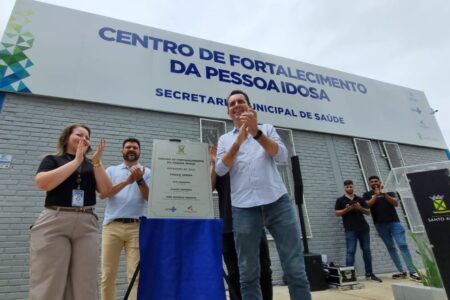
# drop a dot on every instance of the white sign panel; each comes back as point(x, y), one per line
point(181, 186)
point(59, 52)
point(5, 161)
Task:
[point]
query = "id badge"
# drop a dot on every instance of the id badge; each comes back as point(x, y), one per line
point(78, 198)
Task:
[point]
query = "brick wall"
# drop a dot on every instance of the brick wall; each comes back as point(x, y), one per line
point(30, 125)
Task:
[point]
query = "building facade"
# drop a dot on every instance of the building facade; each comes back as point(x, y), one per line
point(29, 126)
point(323, 119)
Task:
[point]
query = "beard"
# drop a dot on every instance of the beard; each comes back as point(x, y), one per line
point(130, 156)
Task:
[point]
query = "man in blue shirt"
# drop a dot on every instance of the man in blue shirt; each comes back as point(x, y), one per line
point(259, 198)
point(124, 206)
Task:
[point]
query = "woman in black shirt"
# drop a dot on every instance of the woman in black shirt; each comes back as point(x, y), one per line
point(64, 239)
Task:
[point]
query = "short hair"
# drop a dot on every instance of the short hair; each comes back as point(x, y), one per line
point(234, 92)
point(61, 146)
point(374, 177)
point(131, 140)
point(347, 182)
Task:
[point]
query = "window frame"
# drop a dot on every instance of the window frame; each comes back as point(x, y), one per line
point(213, 121)
point(386, 153)
point(415, 226)
point(360, 161)
point(290, 185)
point(214, 193)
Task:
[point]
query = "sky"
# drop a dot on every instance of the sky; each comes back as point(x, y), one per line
point(401, 42)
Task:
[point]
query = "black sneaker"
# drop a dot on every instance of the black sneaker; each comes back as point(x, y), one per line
point(401, 275)
point(414, 276)
point(373, 277)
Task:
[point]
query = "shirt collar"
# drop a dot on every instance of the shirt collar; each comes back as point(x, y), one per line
point(347, 196)
point(124, 166)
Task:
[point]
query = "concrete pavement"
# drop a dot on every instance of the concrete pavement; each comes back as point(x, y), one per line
point(372, 290)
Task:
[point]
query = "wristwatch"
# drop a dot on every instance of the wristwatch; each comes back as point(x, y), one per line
point(258, 134)
point(140, 181)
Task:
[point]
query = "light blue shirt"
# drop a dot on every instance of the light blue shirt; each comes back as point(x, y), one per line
point(128, 202)
point(254, 176)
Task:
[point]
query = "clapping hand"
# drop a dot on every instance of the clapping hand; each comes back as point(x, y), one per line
point(137, 173)
point(82, 148)
point(249, 118)
point(98, 152)
point(212, 154)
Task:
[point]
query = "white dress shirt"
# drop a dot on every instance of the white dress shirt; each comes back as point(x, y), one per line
point(254, 176)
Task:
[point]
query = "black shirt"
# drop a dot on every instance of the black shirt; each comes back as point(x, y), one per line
point(224, 192)
point(382, 211)
point(62, 194)
point(353, 220)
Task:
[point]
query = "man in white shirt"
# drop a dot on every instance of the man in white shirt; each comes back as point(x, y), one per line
point(124, 206)
point(259, 198)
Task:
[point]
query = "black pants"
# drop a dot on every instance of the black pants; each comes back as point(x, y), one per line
point(231, 262)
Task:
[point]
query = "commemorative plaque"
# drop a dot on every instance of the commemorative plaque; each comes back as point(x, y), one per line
point(181, 182)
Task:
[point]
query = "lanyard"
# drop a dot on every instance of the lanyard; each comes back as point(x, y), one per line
point(80, 168)
point(78, 181)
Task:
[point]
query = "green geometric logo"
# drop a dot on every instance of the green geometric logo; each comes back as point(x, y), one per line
point(439, 204)
point(13, 60)
point(180, 149)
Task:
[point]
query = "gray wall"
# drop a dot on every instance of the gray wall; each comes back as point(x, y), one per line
point(327, 161)
point(30, 125)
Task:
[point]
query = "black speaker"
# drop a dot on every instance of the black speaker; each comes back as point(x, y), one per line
point(298, 181)
point(298, 193)
point(314, 271)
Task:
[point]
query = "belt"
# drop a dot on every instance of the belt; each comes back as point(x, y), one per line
point(88, 209)
point(126, 220)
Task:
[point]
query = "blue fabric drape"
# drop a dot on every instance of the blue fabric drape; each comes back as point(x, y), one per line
point(181, 259)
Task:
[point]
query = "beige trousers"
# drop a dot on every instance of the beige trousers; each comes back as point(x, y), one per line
point(64, 251)
point(115, 237)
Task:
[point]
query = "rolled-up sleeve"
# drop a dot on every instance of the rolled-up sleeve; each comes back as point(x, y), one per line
point(282, 154)
point(221, 168)
point(148, 176)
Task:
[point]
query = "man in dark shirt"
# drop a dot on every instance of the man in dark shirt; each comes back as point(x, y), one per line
point(382, 206)
point(352, 209)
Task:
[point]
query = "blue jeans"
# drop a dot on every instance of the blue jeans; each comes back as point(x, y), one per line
point(280, 219)
point(231, 262)
point(395, 231)
point(352, 237)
